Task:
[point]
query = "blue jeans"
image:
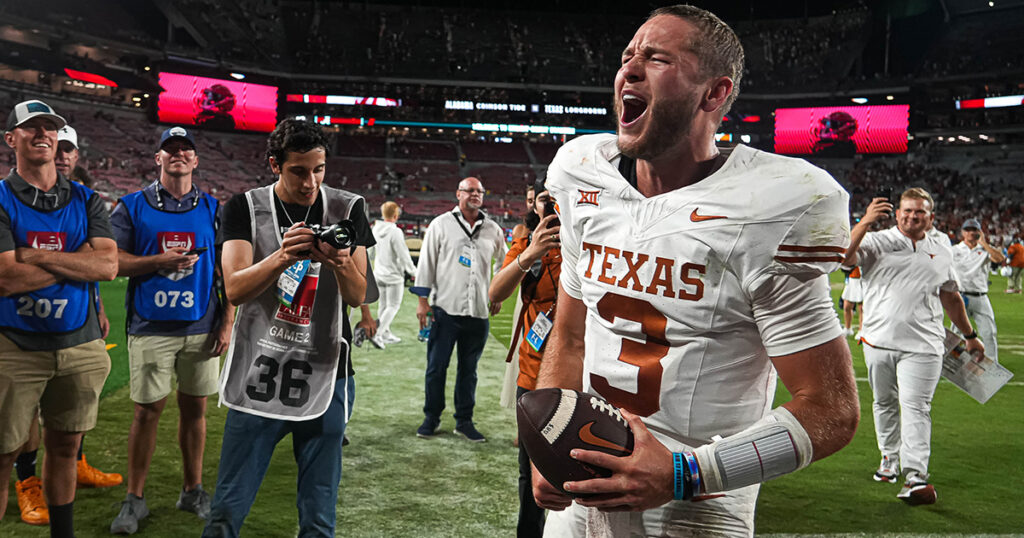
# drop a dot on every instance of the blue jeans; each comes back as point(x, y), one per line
point(249, 442)
point(470, 334)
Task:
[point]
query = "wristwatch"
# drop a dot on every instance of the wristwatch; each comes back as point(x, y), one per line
point(972, 336)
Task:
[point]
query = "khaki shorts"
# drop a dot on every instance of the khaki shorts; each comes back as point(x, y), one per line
point(64, 385)
point(154, 360)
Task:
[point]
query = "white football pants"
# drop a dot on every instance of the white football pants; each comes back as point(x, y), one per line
point(387, 307)
point(730, 515)
point(903, 385)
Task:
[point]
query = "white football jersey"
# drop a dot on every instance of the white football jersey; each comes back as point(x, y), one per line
point(690, 292)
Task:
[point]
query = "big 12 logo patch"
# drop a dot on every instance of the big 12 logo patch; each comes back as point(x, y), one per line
point(47, 240)
point(170, 240)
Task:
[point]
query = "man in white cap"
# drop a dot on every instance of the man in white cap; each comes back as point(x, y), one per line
point(971, 259)
point(29, 486)
point(55, 243)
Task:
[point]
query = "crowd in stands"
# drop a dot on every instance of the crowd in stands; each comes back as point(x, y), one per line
point(578, 49)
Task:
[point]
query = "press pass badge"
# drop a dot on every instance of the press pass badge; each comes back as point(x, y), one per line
point(289, 282)
point(539, 331)
point(466, 258)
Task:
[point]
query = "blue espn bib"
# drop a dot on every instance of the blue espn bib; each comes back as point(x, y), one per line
point(172, 295)
point(61, 307)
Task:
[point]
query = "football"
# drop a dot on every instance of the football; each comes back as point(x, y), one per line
point(552, 422)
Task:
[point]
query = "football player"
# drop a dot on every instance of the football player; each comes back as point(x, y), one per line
point(692, 276)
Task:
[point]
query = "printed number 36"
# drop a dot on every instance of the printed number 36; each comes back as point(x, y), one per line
point(645, 356)
point(294, 392)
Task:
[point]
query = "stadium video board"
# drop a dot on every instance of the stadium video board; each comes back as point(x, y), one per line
point(842, 131)
point(216, 104)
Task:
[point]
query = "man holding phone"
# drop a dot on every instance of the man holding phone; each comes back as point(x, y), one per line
point(177, 324)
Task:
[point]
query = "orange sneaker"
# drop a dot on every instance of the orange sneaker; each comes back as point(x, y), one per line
point(31, 503)
point(91, 477)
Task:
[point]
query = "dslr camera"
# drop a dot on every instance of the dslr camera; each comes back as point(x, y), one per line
point(340, 235)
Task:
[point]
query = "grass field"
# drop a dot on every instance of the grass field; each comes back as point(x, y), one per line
point(396, 485)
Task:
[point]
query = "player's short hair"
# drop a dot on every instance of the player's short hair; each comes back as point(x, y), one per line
point(295, 135)
point(390, 210)
point(920, 194)
point(717, 46)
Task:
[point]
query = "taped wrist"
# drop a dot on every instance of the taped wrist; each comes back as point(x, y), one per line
point(771, 447)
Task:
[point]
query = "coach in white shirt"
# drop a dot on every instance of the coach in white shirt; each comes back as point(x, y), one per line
point(390, 265)
point(456, 265)
point(908, 281)
point(971, 259)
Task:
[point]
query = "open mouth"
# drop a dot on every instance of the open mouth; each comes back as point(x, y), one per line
point(633, 107)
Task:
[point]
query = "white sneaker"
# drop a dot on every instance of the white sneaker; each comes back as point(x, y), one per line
point(888, 470)
point(916, 490)
point(378, 341)
point(848, 331)
point(391, 339)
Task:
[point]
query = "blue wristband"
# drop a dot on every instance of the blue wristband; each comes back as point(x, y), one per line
point(679, 478)
point(691, 462)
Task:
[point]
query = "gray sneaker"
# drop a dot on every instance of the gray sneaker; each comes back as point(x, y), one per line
point(133, 509)
point(196, 501)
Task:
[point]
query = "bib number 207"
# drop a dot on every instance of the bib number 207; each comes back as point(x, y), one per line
point(41, 308)
point(294, 390)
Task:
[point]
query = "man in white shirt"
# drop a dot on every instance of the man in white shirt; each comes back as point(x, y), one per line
point(455, 264)
point(971, 259)
point(390, 264)
point(908, 281)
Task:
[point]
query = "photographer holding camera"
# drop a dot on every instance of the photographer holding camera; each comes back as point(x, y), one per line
point(535, 261)
point(288, 369)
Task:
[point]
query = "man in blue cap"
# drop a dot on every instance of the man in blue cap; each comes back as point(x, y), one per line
point(177, 325)
point(971, 261)
point(55, 243)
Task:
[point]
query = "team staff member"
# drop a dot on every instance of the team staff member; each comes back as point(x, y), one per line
point(908, 281)
point(533, 263)
point(455, 265)
point(391, 263)
point(55, 242)
point(689, 278)
point(971, 257)
point(1015, 253)
point(288, 368)
point(177, 325)
point(29, 486)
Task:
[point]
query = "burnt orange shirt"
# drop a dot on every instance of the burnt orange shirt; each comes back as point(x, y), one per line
point(539, 295)
point(1016, 254)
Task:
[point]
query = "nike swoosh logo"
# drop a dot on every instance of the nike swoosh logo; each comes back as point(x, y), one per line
point(588, 437)
point(700, 498)
point(701, 218)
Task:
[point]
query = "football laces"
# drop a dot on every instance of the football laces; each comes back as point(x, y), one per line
point(603, 406)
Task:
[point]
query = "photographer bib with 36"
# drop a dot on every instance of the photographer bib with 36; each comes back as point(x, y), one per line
point(283, 361)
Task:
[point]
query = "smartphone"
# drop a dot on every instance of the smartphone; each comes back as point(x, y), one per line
point(549, 209)
point(886, 192)
point(196, 251)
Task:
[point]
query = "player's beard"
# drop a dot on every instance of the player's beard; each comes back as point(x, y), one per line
point(668, 123)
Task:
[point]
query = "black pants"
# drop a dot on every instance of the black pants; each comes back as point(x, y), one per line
point(531, 516)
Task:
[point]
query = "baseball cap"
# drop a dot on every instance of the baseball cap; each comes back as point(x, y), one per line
point(176, 132)
point(971, 223)
point(68, 133)
point(27, 110)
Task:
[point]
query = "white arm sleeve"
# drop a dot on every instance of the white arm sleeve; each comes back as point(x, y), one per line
point(771, 447)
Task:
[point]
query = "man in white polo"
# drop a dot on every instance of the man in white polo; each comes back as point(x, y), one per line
point(971, 258)
point(908, 281)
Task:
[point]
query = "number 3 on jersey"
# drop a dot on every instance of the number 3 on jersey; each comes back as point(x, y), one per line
point(645, 356)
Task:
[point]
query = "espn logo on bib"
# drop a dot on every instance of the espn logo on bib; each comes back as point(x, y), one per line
point(47, 240)
point(169, 240)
